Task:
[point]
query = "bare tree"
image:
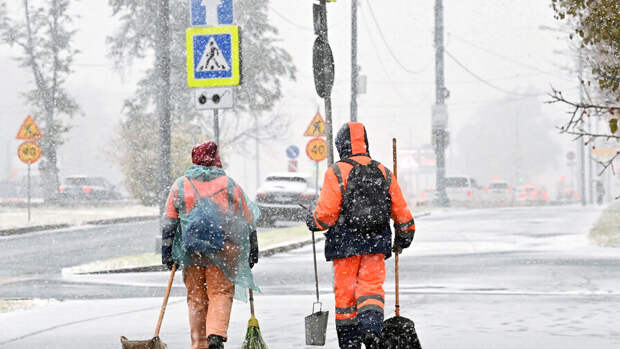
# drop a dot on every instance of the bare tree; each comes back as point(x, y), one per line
point(579, 113)
point(44, 33)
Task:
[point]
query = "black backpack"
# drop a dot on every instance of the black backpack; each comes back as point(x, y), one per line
point(366, 204)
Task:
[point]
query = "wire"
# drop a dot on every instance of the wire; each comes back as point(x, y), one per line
point(383, 67)
point(374, 18)
point(508, 58)
point(477, 77)
point(297, 25)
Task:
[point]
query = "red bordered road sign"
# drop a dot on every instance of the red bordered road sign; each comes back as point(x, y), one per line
point(317, 149)
point(29, 152)
point(29, 130)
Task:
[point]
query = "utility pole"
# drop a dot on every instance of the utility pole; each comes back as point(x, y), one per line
point(354, 67)
point(581, 144)
point(162, 58)
point(440, 112)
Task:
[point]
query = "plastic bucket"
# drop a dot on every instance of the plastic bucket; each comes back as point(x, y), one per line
point(316, 327)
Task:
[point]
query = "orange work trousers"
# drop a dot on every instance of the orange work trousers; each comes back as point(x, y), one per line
point(358, 287)
point(209, 301)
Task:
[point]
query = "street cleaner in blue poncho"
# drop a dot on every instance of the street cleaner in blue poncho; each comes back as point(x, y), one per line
point(216, 264)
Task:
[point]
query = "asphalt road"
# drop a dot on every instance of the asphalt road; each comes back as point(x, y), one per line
point(33, 262)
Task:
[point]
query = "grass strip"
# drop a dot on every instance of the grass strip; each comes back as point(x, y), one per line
point(606, 232)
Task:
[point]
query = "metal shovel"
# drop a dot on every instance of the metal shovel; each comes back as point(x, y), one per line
point(155, 342)
point(316, 323)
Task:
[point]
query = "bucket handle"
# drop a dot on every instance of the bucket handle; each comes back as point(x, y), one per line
point(320, 307)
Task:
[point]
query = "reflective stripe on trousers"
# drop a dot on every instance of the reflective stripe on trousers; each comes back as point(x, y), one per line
point(358, 287)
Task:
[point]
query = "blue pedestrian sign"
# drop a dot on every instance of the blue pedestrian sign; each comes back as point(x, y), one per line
point(213, 56)
point(292, 152)
point(211, 12)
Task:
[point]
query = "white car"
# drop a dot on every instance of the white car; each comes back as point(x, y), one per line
point(498, 192)
point(462, 190)
point(281, 194)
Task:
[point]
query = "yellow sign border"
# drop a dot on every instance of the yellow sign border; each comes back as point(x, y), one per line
point(36, 145)
point(312, 141)
point(234, 80)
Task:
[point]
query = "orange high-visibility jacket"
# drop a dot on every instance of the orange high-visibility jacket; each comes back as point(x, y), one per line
point(352, 143)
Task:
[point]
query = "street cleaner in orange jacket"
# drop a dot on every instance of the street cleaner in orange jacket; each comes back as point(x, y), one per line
point(216, 274)
point(358, 198)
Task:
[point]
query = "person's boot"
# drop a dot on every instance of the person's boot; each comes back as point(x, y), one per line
point(372, 340)
point(216, 342)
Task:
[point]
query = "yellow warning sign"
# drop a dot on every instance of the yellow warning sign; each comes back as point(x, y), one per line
point(316, 127)
point(29, 152)
point(29, 130)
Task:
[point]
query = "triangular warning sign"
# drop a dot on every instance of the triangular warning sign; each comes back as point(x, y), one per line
point(29, 130)
point(316, 127)
point(212, 59)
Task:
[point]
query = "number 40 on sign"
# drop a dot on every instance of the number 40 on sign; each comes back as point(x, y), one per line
point(317, 149)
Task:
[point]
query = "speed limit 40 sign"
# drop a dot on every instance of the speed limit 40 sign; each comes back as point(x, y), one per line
point(317, 149)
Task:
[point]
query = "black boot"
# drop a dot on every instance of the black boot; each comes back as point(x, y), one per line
point(372, 340)
point(216, 342)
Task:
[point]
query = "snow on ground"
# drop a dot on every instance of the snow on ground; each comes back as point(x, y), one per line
point(14, 217)
point(499, 278)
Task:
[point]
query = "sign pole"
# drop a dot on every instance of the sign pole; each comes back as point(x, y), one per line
point(317, 179)
point(28, 192)
point(328, 100)
point(216, 126)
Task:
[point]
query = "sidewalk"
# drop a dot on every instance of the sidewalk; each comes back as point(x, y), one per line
point(17, 217)
point(442, 321)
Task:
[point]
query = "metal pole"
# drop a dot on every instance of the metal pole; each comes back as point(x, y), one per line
point(162, 57)
point(354, 68)
point(328, 104)
point(316, 188)
point(216, 126)
point(440, 95)
point(28, 192)
point(316, 272)
point(581, 144)
point(257, 144)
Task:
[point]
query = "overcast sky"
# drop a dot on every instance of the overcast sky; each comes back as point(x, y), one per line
point(498, 40)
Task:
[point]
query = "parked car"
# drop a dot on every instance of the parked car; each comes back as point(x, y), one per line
point(463, 190)
point(498, 193)
point(280, 195)
point(85, 188)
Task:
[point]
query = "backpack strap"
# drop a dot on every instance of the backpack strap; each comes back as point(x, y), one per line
point(388, 177)
point(339, 177)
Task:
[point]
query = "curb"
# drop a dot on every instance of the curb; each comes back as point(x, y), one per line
point(38, 228)
point(157, 268)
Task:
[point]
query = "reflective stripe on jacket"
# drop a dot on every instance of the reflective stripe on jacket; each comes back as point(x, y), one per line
point(340, 242)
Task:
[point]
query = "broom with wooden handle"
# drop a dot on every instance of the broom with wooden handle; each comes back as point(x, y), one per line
point(155, 342)
point(399, 332)
point(253, 338)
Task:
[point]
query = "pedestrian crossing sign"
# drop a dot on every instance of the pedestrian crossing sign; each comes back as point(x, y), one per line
point(213, 56)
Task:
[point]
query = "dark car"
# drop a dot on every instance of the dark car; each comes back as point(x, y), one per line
point(85, 188)
point(280, 195)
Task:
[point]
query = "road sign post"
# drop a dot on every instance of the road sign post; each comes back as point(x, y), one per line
point(29, 152)
point(213, 56)
point(323, 64)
